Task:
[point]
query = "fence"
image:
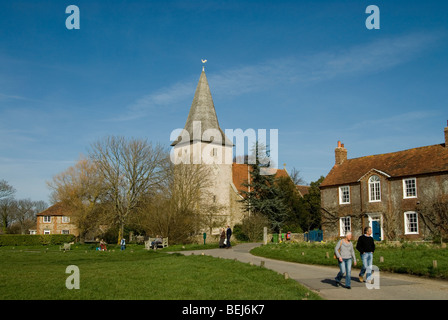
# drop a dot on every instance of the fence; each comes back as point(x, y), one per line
point(313, 236)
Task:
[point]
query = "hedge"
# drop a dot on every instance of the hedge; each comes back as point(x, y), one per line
point(35, 239)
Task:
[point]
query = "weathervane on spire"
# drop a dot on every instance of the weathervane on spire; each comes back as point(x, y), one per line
point(203, 63)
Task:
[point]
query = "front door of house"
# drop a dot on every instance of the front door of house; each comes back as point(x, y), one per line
point(376, 230)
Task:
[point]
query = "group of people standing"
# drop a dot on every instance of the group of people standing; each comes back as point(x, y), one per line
point(345, 254)
point(224, 240)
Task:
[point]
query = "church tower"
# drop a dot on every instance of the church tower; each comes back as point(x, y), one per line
point(202, 141)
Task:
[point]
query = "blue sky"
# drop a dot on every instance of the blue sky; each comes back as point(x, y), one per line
point(310, 69)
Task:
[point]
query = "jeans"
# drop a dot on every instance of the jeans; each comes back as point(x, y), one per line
point(367, 258)
point(345, 267)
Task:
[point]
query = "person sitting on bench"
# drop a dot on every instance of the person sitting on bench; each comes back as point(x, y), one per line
point(158, 240)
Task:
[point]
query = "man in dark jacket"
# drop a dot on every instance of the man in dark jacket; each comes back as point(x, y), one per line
point(366, 247)
point(229, 234)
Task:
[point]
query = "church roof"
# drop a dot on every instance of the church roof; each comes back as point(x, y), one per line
point(203, 114)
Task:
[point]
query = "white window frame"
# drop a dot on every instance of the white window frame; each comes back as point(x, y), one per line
point(405, 188)
point(65, 219)
point(65, 231)
point(345, 225)
point(342, 190)
point(407, 223)
point(375, 189)
point(47, 232)
point(46, 219)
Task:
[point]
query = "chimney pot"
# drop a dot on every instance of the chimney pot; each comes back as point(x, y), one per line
point(340, 154)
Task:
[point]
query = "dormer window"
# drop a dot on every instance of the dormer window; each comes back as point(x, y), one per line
point(374, 189)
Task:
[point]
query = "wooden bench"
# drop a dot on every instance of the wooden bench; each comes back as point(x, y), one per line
point(164, 243)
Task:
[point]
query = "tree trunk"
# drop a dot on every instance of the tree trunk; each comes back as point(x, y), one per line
point(120, 232)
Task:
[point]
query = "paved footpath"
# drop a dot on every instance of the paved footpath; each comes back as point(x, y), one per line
point(321, 278)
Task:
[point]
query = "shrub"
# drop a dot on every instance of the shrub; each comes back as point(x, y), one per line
point(239, 233)
point(35, 239)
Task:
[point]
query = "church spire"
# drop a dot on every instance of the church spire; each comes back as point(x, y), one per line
point(203, 111)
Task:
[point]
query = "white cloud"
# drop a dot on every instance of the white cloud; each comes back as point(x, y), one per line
point(158, 100)
point(7, 96)
point(358, 60)
point(371, 57)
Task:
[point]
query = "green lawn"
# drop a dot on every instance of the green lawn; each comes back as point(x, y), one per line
point(409, 258)
point(39, 273)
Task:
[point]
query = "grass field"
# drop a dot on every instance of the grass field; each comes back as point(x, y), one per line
point(40, 273)
point(409, 258)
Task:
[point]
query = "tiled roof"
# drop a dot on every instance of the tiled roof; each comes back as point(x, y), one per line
point(241, 175)
point(416, 161)
point(303, 190)
point(57, 209)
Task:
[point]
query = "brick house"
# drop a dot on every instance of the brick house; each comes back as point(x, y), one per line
point(385, 192)
point(55, 220)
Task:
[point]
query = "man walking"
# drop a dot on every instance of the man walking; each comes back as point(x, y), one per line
point(228, 234)
point(366, 247)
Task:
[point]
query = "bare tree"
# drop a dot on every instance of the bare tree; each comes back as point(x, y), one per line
point(7, 207)
point(212, 217)
point(6, 204)
point(296, 178)
point(40, 206)
point(25, 214)
point(178, 209)
point(434, 213)
point(6, 190)
point(82, 191)
point(131, 169)
point(390, 224)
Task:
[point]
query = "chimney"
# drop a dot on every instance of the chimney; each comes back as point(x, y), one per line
point(340, 153)
point(446, 134)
